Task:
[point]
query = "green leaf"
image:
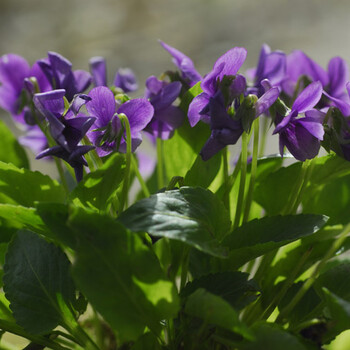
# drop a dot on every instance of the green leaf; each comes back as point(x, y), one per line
point(260, 236)
point(190, 94)
point(147, 341)
point(192, 215)
point(24, 187)
point(214, 310)
point(120, 276)
point(331, 199)
point(10, 150)
point(273, 192)
point(232, 286)
point(36, 275)
point(99, 187)
point(272, 337)
point(22, 217)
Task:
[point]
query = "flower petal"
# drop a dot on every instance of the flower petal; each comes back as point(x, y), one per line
point(99, 71)
point(338, 72)
point(82, 80)
point(139, 112)
point(102, 105)
point(308, 98)
point(195, 107)
point(166, 96)
point(314, 127)
point(126, 80)
point(266, 101)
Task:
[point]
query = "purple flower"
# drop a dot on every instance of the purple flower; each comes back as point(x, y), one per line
point(227, 65)
point(226, 128)
point(109, 135)
point(184, 64)
point(167, 117)
point(271, 66)
point(58, 70)
point(124, 79)
point(302, 136)
point(67, 130)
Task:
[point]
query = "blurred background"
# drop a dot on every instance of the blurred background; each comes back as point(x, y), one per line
point(125, 32)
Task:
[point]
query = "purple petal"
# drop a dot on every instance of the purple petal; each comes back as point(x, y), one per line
point(153, 86)
point(266, 101)
point(98, 71)
point(308, 98)
point(75, 129)
point(126, 80)
point(44, 84)
point(338, 72)
point(61, 69)
point(312, 126)
point(13, 70)
point(196, 106)
point(78, 102)
point(102, 105)
point(264, 51)
point(316, 115)
point(34, 139)
point(238, 85)
point(209, 82)
point(138, 111)
point(166, 96)
point(50, 102)
point(341, 105)
point(275, 68)
point(298, 64)
point(285, 121)
point(184, 63)
point(9, 99)
point(82, 80)
point(136, 139)
point(146, 164)
point(211, 147)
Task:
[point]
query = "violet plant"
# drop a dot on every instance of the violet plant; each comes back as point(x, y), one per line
point(223, 246)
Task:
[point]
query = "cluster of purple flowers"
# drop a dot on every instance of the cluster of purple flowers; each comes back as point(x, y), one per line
point(308, 105)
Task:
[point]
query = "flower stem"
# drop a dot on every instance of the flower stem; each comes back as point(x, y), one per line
point(124, 196)
point(310, 281)
point(254, 166)
point(160, 165)
point(265, 126)
point(226, 197)
point(244, 156)
point(142, 182)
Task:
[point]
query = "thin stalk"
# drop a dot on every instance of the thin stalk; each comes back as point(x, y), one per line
point(97, 161)
point(14, 329)
point(226, 197)
point(254, 167)
point(265, 126)
point(125, 190)
point(160, 163)
point(310, 281)
point(244, 156)
point(142, 182)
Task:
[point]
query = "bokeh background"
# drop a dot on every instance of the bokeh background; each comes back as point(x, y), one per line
point(126, 31)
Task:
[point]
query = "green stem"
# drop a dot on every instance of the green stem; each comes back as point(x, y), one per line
point(142, 182)
point(125, 190)
point(226, 197)
point(160, 165)
point(265, 126)
point(254, 167)
point(14, 329)
point(310, 281)
point(244, 155)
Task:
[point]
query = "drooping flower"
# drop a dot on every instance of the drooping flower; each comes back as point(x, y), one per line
point(124, 78)
point(227, 128)
point(227, 65)
point(188, 72)
point(58, 71)
point(302, 135)
point(109, 135)
point(167, 117)
point(67, 130)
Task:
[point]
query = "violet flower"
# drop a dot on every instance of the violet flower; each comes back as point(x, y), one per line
point(167, 117)
point(58, 71)
point(188, 72)
point(109, 135)
point(302, 136)
point(124, 79)
point(271, 66)
point(67, 130)
point(226, 129)
point(227, 65)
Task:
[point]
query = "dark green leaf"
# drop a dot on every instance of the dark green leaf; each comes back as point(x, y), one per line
point(273, 192)
point(147, 341)
point(260, 236)
point(191, 215)
point(232, 286)
point(24, 187)
point(271, 337)
point(194, 91)
point(214, 310)
point(36, 273)
point(99, 187)
point(120, 276)
point(10, 150)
